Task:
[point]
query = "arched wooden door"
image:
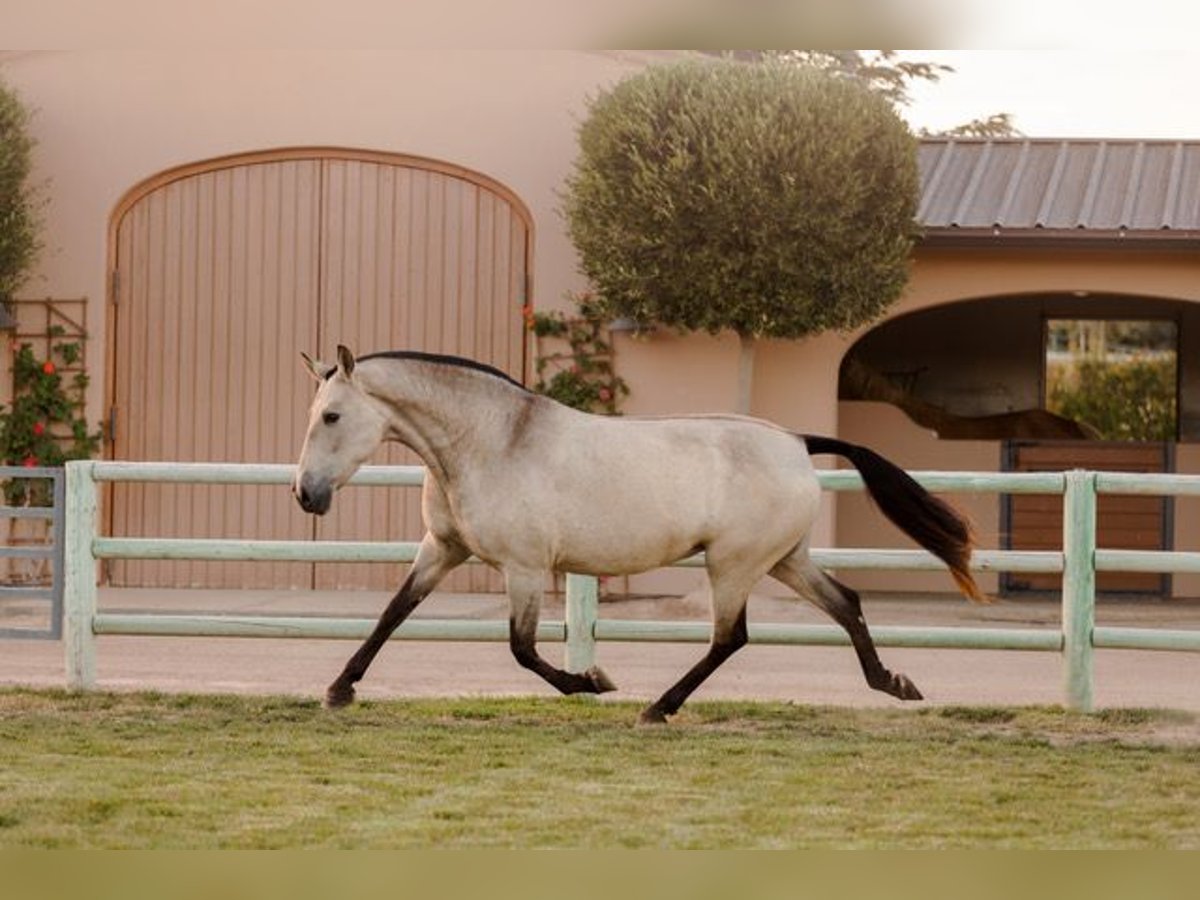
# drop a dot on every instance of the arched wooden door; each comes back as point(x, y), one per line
point(223, 271)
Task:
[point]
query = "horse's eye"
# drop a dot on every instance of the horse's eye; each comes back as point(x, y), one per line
point(331, 418)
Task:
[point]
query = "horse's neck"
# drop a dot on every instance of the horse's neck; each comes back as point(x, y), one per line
point(447, 416)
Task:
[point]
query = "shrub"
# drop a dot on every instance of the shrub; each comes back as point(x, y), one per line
point(1131, 400)
point(768, 198)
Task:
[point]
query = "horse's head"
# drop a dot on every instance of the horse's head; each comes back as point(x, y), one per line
point(344, 428)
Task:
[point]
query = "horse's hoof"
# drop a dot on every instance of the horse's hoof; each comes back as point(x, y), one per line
point(652, 715)
point(601, 683)
point(338, 696)
point(905, 689)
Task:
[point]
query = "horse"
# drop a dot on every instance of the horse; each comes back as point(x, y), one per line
point(530, 487)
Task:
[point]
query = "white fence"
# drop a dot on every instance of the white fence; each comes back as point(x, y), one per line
point(1079, 560)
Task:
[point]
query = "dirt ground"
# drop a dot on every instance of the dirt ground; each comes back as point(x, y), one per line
point(815, 675)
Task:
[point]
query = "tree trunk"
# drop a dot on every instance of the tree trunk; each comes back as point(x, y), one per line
point(748, 344)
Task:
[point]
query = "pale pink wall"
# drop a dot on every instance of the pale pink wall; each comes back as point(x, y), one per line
point(676, 373)
point(107, 119)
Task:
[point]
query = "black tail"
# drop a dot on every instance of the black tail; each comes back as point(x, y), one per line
point(932, 523)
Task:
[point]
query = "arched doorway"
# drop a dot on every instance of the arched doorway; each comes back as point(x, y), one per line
point(988, 372)
point(222, 271)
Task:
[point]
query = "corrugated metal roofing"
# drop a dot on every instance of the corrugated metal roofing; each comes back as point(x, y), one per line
point(1043, 187)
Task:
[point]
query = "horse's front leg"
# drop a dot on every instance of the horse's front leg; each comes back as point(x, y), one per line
point(435, 558)
point(729, 596)
point(525, 602)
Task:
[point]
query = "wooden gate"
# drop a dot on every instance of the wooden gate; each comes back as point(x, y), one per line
point(222, 272)
point(1034, 522)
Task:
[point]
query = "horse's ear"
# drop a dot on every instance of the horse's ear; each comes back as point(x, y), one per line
point(316, 368)
point(345, 360)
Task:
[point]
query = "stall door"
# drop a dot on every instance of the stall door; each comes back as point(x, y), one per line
point(1122, 522)
point(223, 274)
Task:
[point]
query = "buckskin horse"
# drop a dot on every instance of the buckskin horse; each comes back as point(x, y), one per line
point(530, 486)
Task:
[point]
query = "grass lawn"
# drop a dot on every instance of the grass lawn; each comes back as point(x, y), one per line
point(152, 770)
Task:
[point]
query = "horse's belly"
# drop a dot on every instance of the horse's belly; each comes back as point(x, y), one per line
point(627, 559)
point(640, 540)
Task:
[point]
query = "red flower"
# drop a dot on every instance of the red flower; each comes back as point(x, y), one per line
point(29, 462)
point(39, 429)
point(48, 367)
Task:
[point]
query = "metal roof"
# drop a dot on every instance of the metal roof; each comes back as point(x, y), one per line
point(1039, 189)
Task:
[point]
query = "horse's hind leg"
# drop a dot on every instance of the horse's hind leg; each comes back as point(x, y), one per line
point(843, 605)
point(435, 558)
point(525, 600)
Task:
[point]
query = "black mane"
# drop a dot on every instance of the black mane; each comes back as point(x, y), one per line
point(446, 360)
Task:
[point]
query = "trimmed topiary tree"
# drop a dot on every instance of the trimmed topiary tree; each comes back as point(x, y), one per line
point(19, 208)
point(770, 199)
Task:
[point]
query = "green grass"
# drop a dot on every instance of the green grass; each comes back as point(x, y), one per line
point(150, 770)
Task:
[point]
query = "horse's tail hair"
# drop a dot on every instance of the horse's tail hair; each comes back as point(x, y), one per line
point(931, 522)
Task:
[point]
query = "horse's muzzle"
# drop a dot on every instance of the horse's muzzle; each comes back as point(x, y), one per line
point(312, 496)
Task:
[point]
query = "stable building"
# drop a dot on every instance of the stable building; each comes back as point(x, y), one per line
point(212, 213)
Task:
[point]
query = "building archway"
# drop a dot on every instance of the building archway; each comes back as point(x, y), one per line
point(979, 372)
point(221, 271)
point(977, 369)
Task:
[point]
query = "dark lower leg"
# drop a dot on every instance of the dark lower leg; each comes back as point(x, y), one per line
point(721, 649)
point(849, 615)
point(522, 643)
point(341, 692)
point(525, 599)
point(436, 557)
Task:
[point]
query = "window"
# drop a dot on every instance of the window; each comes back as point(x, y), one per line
point(1116, 377)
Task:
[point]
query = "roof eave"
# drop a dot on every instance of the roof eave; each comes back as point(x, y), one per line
point(1164, 239)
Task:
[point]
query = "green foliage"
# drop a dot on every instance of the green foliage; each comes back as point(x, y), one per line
point(1131, 400)
point(45, 426)
point(19, 203)
point(768, 198)
point(582, 377)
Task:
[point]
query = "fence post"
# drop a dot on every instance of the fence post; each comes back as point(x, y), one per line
point(583, 608)
point(1079, 587)
point(58, 532)
point(79, 571)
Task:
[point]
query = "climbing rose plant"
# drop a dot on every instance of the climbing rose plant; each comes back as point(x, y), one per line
point(45, 425)
point(582, 375)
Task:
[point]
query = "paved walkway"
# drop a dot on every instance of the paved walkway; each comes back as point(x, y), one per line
point(820, 675)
